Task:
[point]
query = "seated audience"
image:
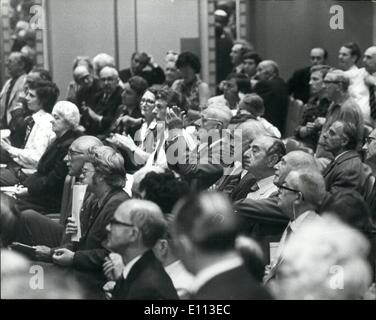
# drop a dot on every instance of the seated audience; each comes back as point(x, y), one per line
point(97, 119)
point(300, 197)
point(346, 171)
point(273, 90)
point(40, 98)
point(45, 187)
point(234, 87)
point(250, 61)
point(204, 230)
point(132, 232)
point(343, 107)
point(193, 91)
point(324, 260)
point(142, 65)
point(298, 84)
point(308, 132)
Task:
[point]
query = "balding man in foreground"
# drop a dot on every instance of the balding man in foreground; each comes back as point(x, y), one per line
point(204, 230)
point(273, 90)
point(98, 118)
point(132, 232)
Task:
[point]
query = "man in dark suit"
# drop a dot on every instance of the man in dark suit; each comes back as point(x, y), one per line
point(263, 219)
point(132, 232)
point(204, 230)
point(346, 171)
point(273, 90)
point(299, 82)
point(98, 117)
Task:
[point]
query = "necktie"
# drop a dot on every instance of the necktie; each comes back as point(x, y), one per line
point(29, 126)
point(372, 101)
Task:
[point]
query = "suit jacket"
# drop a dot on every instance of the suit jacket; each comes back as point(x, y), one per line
point(5, 110)
point(46, 185)
point(147, 280)
point(106, 109)
point(298, 84)
point(90, 252)
point(346, 172)
point(234, 284)
point(275, 95)
point(201, 167)
point(152, 76)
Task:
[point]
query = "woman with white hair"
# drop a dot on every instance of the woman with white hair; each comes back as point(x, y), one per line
point(45, 187)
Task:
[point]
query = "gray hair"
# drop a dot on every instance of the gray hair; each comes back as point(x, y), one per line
point(108, 163)
point(69, 112)
point(325, 259)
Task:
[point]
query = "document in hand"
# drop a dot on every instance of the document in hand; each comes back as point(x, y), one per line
point(77, 201)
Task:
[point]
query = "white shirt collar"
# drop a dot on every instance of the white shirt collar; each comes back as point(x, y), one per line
point(266, 182)
point(298, 221)
point(39, 114)
point(337, 157)
point(129, 266)
point(230, 262)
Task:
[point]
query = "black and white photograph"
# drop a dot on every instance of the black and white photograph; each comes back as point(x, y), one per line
point(187, 153)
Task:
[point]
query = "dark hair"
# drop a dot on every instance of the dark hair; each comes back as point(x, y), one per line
point(143, 56)
point(351, 208)
point(43, 73)
point(278, 148)
point(189, 59)
point(170, 96)
point(164, 189)
point(47, 93)
point(355, 50)
point(138, 84)
point(253, 56)
point(242, 81)
point(350, 131)
point(208, 220)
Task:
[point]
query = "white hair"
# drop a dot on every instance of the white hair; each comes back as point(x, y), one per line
point(325, 259)
point(69, 112)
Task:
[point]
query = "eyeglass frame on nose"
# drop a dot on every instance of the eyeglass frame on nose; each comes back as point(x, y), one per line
point(292, 190)
point(148, 101)
point(370, 139)
point(114, 221)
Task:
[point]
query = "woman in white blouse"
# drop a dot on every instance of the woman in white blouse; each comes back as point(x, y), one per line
point(41, 97)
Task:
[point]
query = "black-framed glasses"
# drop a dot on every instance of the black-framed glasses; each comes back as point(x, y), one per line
point(290, 189)
point(114, 221)
point(148, 101)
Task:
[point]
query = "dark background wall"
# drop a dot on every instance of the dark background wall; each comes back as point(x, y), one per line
point(285, 31)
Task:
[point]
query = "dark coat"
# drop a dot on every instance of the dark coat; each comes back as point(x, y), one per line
point(46, 185)
point(90, 251)
point(298, 84)
point(234, 284)
point(152, 76)
point(147, 280)
point(106, 109)
point(275, 95)
point(346, 172)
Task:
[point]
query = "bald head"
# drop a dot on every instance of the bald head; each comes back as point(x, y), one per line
point(370, 59)
point(266, 70)
point(147, 220)
point(77, 153)
point(293, 160)
point(318, 56)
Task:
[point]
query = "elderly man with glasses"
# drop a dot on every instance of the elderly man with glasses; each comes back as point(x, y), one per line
point(343, 107)
point(299, 198)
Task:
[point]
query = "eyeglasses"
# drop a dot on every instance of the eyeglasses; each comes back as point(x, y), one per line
point(115, 221)
point(290, 189)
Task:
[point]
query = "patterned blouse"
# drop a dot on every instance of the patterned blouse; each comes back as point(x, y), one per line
point(189, 93)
